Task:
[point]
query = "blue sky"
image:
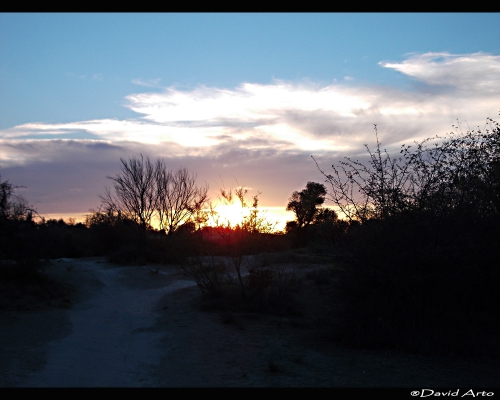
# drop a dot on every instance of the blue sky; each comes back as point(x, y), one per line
point(230, 96)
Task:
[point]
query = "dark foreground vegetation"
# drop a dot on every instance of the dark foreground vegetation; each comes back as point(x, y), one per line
point(412, 265)
point(421, 267)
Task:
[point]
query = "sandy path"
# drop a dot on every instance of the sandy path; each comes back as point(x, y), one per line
point(131, 327)
point(110, 344)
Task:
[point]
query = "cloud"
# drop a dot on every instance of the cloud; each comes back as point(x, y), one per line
point(475, 72)
point(261, 134)
point(95, 77)
point(146, 82)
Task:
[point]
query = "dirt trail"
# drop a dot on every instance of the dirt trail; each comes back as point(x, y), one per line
point(135, 327)
point(109, 343)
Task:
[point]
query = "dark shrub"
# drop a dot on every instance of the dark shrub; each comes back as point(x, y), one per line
point(421, 271)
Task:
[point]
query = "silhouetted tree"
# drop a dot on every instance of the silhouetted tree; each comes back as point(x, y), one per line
point(135, 191)
point(306, 202)
point(178, 199)
point(5, 192)
point(325, 215)
point(12, 206)
point(144, 191)
point(16, 223)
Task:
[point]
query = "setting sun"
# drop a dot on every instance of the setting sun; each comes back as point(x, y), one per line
point(234, 214)
point(228, 214)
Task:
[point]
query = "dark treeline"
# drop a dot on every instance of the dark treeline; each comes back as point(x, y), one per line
point(414, 247)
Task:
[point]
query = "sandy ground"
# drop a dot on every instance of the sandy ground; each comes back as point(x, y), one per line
point(135, 327)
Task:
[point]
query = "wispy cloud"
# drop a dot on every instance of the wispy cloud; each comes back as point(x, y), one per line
point(95, 77)
point(146, 82)
point(474, 72)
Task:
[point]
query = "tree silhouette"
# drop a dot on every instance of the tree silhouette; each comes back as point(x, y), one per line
point(145, 191)
point(12, 206)
point(306, 202)
point(178, 198)
point(135, 191)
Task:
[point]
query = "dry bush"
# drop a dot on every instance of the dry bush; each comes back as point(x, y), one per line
point(24, 286)
point(268, 289)
point(421, 261)
point(210, 276)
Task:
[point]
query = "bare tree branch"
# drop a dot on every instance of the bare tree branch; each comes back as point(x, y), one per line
point(145, 192)
point(178, 198)
point(135, 192)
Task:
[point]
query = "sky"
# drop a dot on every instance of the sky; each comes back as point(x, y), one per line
point(238, 99)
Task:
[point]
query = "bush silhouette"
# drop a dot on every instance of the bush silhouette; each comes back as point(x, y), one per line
point(421, 268)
